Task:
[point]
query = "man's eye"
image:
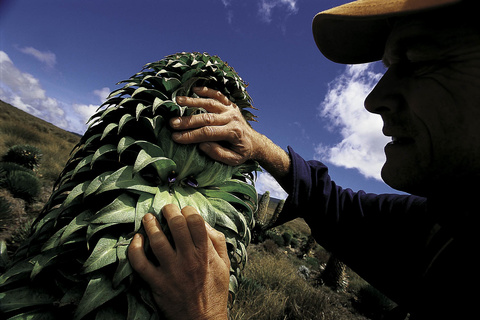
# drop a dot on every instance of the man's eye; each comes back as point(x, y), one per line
point(418, 68)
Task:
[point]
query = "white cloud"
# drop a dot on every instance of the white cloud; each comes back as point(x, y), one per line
point(102, 94)
point(266, 7)
point(265, 182)
point(46, 57)
point(362, 142)
point(25, 92)
point(85, 111)
point(267, 10)
point(226, 3)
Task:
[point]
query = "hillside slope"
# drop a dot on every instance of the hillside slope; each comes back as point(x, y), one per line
point(18, 127)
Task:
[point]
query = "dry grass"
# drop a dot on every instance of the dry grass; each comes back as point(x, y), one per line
point(18, 127)
point(273, 289)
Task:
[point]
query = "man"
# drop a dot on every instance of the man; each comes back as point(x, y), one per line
point(419, 249)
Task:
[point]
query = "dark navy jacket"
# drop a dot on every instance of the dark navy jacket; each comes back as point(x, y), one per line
point(415, 255)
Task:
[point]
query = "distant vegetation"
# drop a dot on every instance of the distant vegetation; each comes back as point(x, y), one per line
point(33, 152)
point(283, 276)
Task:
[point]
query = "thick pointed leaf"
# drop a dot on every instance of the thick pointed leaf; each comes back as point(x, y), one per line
point(123, 121)
point(123, 269)
point(231, 198)
point(94, 228)
point(136, 309)
point(104, 253)
point(89, 141)
point(124, 143)
point(54, 240)
point(37, 314)
point(124, 179)
point(140, 108)
point(163, 166)
point(109, 128)
point(96, 183)
point(216, 173)
point(83, 163)
point(148, 94)
point(46, 258)
point(239, 187)
point(170, 84)
point(222, 218)
point(24, 297)
point(4, 258)
point(76, 224)
point(19, 270)
point(77, 192)
point(162, 198)
point(144, 204)
point(102, 151)
point(188, 196)
point(152, 149)
point(99, 291)
point(121, 210)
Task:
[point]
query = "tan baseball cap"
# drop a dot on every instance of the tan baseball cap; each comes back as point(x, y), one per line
point(356, 32)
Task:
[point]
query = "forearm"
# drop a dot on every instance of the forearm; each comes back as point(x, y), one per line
point(272, 158)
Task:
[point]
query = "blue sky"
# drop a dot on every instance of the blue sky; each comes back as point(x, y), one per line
point(60, 58)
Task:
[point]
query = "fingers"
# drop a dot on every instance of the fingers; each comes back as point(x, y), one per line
point(196, 225)
point(138, 259)
point(193, 237)
point(219, 243)
point(219, 153)
point(161, 247)
point(179, 228)
point(213, 94)
point(217, 103)
point(199, 120)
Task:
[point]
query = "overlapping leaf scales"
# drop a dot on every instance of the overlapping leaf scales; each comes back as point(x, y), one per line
point(99, 290)
point(127, 165)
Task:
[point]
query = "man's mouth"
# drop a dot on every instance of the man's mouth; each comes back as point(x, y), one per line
point(400, 141)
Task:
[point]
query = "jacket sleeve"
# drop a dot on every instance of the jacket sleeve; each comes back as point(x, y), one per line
point(378, 236)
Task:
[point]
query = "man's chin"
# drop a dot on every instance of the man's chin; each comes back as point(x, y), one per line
point(403, 180)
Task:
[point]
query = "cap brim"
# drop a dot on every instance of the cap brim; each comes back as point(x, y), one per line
point(356, 32)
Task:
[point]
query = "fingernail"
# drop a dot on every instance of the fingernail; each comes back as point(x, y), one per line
point(148, 217)
point(180, 99)
point(176, 135)
point(197, 89)
point(175, 122)
point(136, 236)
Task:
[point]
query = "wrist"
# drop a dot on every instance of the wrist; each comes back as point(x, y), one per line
point(271, 157)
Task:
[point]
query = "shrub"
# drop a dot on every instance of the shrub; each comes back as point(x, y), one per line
point(7, 167)
point(5, 209)
point(287, 238)
point(25, 155)
point(294, 243)
point(22, 185)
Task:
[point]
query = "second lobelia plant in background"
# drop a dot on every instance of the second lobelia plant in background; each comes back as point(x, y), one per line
point(126, 165)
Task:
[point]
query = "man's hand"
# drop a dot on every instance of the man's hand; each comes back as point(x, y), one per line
point(224, 122)
point(192, 279)
point(225, 136)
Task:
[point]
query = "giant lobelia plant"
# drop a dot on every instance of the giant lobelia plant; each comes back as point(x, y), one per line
point(74, 264)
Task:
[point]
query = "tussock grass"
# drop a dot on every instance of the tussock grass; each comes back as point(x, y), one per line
point(272, 289)
point(20, 128)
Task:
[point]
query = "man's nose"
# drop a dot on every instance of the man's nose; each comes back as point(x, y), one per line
point(387, 95)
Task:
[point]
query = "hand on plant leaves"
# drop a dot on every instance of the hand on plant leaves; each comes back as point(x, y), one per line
point(192, 280)
point(224, 123)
